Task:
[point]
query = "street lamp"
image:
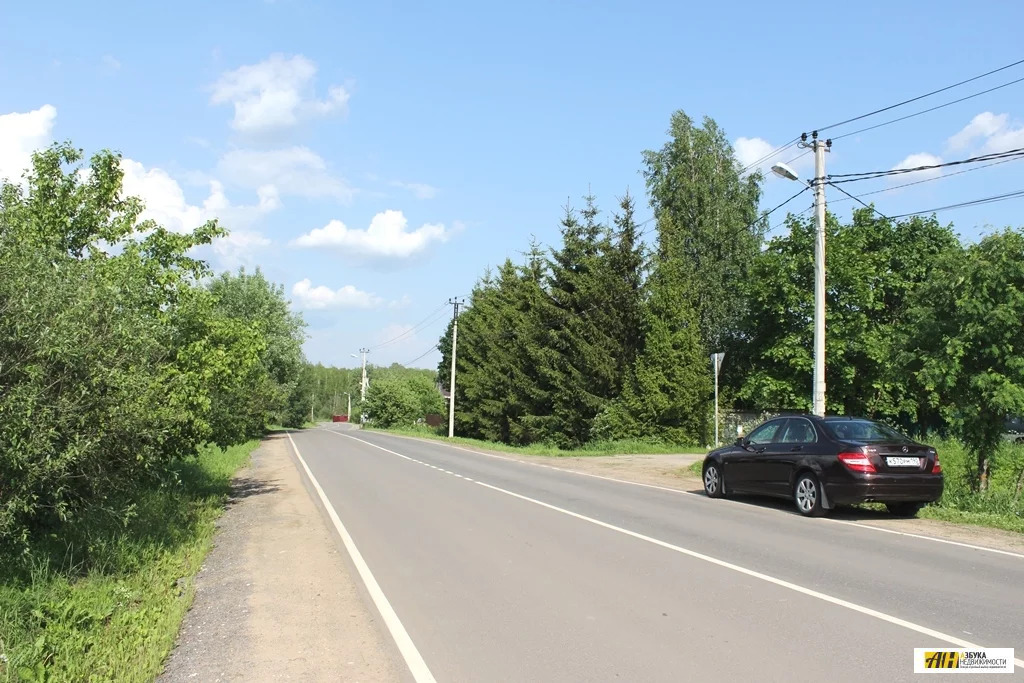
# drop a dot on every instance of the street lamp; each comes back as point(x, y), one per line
point(818, 185)
point(784, 171)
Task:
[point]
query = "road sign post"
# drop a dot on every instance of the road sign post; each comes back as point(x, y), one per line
point(716, 360)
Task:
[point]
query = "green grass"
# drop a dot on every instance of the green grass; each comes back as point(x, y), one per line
point(1001, 506)
point(625, 447)
point(97, 601)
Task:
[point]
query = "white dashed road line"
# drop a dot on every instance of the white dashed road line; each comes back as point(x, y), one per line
point(924, 630)
point(700, 496)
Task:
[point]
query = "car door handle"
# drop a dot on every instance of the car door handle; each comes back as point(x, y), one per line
point(796, 448)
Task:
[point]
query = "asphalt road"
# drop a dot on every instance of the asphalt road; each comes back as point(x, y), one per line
point(500, 570)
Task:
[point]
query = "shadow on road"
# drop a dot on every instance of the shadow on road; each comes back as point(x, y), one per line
point(844, 512)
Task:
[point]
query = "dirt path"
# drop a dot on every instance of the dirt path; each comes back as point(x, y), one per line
point(276, 599)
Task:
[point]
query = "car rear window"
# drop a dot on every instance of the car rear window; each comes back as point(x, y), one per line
point(863, 430)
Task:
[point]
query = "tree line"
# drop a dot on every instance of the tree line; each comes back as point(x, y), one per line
point(606, 337)
point(121, 354)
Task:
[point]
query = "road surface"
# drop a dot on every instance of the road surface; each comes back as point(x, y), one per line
point(499, 570)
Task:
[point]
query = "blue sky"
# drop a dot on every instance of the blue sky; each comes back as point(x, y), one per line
point(376, 157)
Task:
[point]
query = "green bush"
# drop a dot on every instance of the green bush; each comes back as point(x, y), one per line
point(115, 358)
point(959, 466)
point(102, 601)
point(392, 402)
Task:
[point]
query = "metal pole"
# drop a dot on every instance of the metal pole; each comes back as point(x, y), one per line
point(716, 403)
point(451, 385)
point(819, 277)
point(349, 413)
point(716, 362)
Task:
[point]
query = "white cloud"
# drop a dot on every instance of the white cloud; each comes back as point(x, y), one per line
point(400, 303)
point(111, 62)
point(996, 131)
point(386, 237)
point(749, 150)
point(239, 248)
point(419, 190)
point(919, 159)
point(292, 170)
point(166, 203)
point(21, 134)
point(274, 94)
point(752, 152)
point(306, 296)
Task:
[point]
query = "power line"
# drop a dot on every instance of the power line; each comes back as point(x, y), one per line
point(919, 97)
point(432, 348)
point(860, 201)
point(974, 202)
point(769, 155)
point(930, 109)
point(871, 175)
point(927, 180)
point(797, 157)
point(786, 220)
point(433, 317)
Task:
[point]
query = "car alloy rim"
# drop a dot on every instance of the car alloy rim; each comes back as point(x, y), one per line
point(806, 495)
point(711, 479)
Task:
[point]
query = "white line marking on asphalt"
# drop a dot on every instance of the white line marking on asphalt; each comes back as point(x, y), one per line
point(927, 538)
point(700, 496)
point(413, 659)
point(939, 635)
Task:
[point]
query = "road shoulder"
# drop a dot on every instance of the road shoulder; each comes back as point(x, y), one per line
point(276, 599)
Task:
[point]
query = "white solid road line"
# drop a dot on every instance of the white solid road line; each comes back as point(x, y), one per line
point(938, 635)
point(702, 496)
point(417, 667)
point(927, 538)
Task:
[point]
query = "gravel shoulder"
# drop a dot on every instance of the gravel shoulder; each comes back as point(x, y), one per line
point(277, 598)
point(671, 471)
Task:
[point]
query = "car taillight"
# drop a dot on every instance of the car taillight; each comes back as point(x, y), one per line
point(936, 468)
point(858, 462)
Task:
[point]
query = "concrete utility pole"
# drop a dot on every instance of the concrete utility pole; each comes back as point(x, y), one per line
point(451, 386)
point(362, 382)
point(349, 413)
point(818, 185)
point(819, 273)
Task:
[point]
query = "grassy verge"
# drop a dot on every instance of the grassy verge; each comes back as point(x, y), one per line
point(103, 602)
point(598, 448)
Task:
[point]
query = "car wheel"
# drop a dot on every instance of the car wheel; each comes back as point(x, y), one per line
point(807, 495)
point(904, 509)
point(714, 482)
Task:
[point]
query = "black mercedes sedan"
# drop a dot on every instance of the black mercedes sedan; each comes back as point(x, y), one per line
point(822, 462)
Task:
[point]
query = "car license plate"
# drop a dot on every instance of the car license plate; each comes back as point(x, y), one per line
point(903, 462)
